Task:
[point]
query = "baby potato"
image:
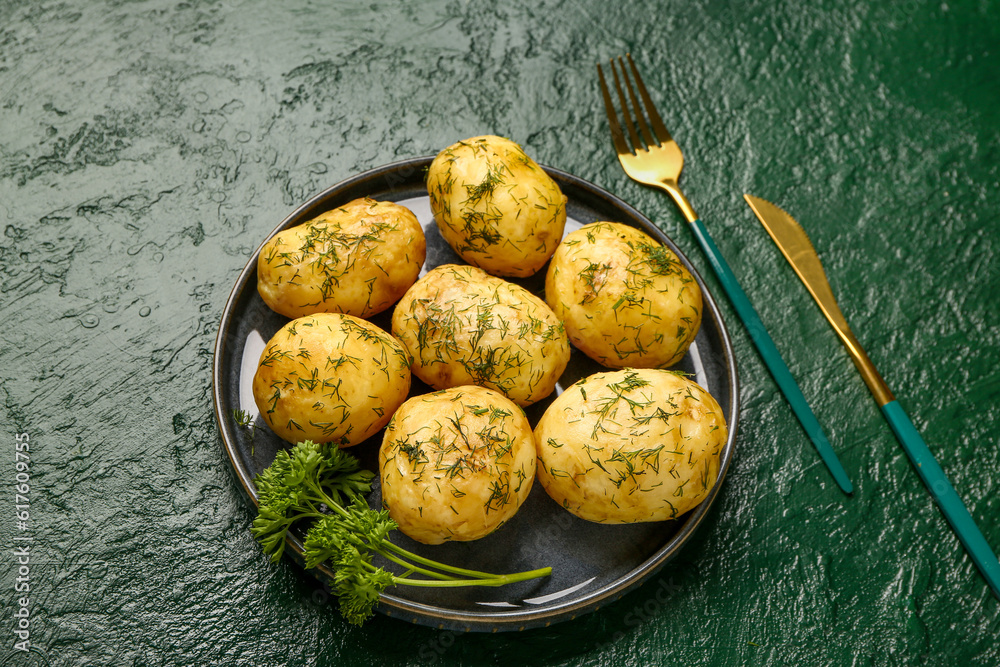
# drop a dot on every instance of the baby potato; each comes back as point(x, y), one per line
point(456, 464)
point(330, 378)
point(357, 259)
point(495, 206)
point(464, 326)
point(630, 445)
point(626, 300)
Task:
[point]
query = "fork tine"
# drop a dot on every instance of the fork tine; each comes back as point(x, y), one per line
point(661, 130)
point(636, 143)
point(616, 130)
point(644, 132)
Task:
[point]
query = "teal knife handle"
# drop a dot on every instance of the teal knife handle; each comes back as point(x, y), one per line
point(772, 358)
point(941, 489)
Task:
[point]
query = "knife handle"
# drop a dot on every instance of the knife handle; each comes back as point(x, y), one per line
point(947, 499)
point(771, 356)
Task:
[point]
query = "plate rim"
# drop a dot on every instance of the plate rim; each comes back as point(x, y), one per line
point(494, 620)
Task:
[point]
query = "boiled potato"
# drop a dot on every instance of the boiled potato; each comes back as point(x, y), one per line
point(330, 378)
point(626, 300)
point(495, 206)
point(630, 445)
point(464, 326)
point(456, 464)
point(357, 259)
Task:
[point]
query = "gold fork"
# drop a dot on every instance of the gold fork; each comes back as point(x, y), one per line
point(651, 156)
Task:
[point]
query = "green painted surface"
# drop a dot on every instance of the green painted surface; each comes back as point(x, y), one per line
point(147, 147)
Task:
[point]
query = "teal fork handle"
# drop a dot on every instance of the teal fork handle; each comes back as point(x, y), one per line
point(947, 499)
point(772, 358)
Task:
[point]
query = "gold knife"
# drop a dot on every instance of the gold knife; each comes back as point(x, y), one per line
point(798, 250)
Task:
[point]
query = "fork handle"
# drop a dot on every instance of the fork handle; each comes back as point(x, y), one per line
point(772, 358)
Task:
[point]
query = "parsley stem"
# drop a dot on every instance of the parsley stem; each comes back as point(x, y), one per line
point(411, 568)
point(495, 580)
point(385, 546)
point(534, 574)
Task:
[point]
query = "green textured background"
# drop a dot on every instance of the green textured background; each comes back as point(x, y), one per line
point(147, 147)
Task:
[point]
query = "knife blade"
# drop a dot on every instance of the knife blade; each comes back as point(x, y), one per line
point(795, 245)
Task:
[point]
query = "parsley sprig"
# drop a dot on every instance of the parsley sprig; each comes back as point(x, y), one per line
point(325, 487)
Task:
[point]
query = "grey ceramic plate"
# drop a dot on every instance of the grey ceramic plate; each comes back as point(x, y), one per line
point(592, 564)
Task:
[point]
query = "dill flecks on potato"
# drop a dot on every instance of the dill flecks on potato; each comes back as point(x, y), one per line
point(357, 259)
point(495, 206)
point(630, 445)
point(626, 300)
point(456, 464)
point(330, 378)
point(464, 326)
